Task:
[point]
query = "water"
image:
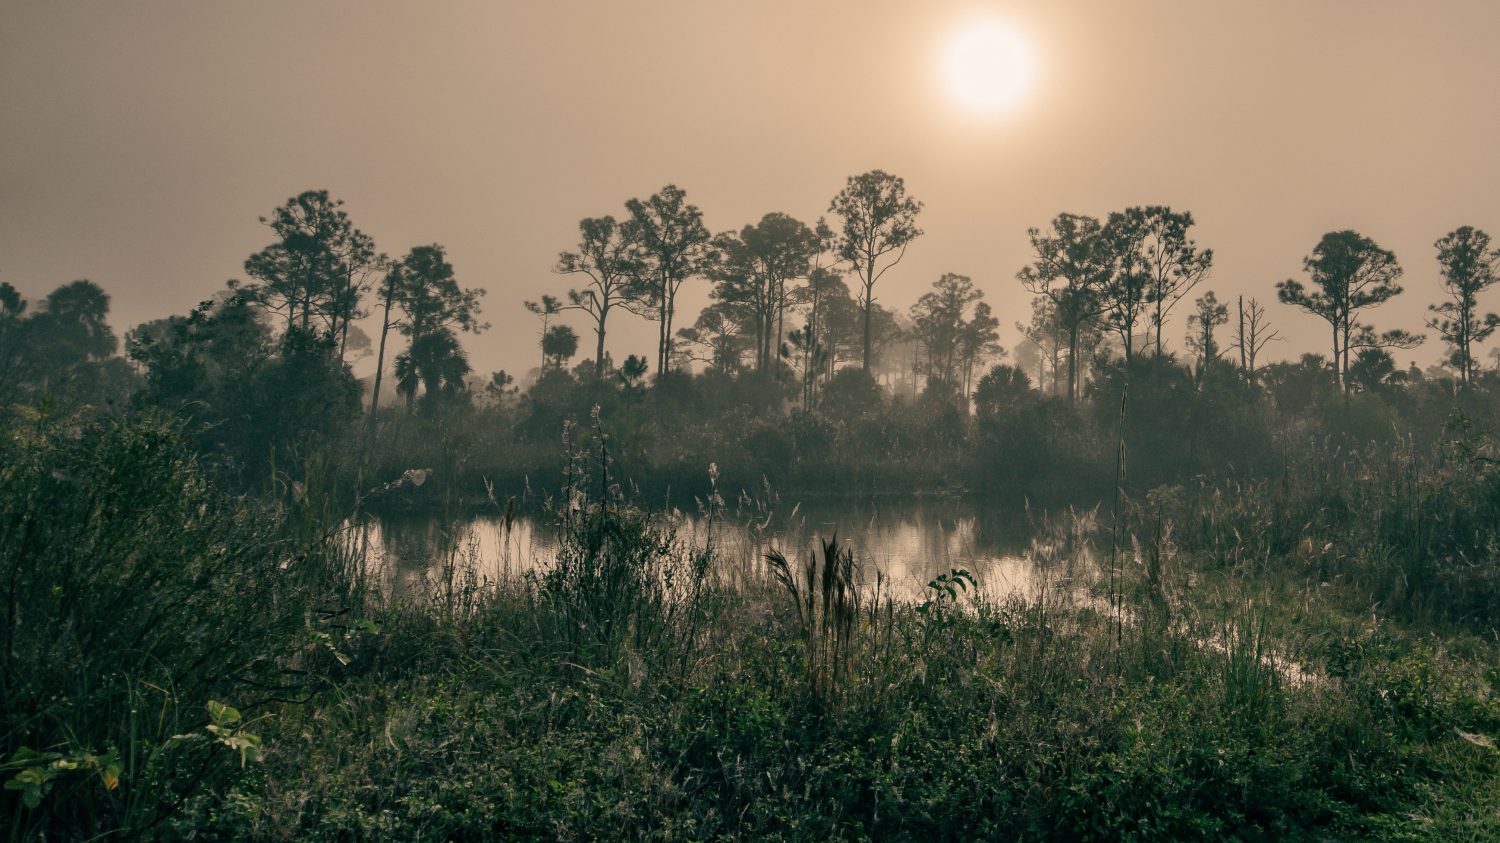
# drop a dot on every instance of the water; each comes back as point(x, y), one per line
point(1007, 551)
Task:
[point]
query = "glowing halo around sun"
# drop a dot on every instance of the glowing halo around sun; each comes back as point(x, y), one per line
point(987, 68)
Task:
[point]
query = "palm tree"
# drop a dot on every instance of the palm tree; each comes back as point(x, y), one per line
point(436, 361)
point(559, 344)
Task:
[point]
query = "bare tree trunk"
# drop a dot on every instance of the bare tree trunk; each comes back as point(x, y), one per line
point(1338, 366)
point(1244, 360)
point(343, 330)
point(780, 318)
point(1158, 328)
point(869, 305)
point(1073, 363)
point(666, 339)
point(385, 327)
point(599, 329)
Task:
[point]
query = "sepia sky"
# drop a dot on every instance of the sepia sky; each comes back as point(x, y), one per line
point(140, 140)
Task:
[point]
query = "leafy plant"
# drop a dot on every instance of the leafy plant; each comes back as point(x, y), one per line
point(37, 772)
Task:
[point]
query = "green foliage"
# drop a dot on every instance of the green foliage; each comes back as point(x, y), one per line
point(37, 772)
point(227, 730)
point(620, 580)
point(132, 588)
point(1294, 649)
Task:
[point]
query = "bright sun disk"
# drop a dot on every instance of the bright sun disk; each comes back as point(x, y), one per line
point(987, 67)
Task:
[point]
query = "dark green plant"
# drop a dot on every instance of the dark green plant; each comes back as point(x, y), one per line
point(134, 594)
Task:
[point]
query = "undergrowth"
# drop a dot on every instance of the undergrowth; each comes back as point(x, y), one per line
point(180, 663)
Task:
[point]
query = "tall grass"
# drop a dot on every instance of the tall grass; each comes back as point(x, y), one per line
point(825, 593)
point(1414, 534)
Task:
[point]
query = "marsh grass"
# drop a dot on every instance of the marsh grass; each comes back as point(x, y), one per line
point(825, 592)
point(604, 699)
point(625, 691)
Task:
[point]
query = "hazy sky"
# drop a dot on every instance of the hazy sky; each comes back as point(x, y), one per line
point(139, 141)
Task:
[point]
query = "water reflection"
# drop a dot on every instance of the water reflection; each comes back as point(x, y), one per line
point(908, 542)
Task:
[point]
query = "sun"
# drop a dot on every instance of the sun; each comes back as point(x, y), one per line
point(987, 67)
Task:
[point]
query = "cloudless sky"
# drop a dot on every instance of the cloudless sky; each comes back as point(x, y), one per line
point(140, 141)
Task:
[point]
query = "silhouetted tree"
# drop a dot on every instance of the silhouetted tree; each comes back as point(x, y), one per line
point(670, 245)
point(939, 318)
point(718, 338)
point(1169, 261)
point(1372, 369)
point(1253, 332)
point(245, 395)
point(546, 308)
point(429, 297)
point(850, 393)
point(805, 350)
point(318, 267)
point(1001, 388)
point(879, 220)
point(822, 280)
point(12, 345)
point(605, 257)
point(1351, 272)
point(1298, 385)
point(12, 303)
point(71, 327)
point(633, 372)
point(559, 344)
point(435, 360)
point(1469, 268)
point(1124, 295)
point(501, 386)
point(1044, 345)
point(1207, 316)
point(64, 350)
point(423, 287)
point(843, 334)
point(823, 284)
point(754, 268)
point(1070, 271)
point(978, 342)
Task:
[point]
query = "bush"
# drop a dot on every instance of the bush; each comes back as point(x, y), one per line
point(142, 609)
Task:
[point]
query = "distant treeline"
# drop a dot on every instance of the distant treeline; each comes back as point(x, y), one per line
point(794, 375)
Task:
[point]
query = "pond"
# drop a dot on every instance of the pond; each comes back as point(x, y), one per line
point(1009, 551)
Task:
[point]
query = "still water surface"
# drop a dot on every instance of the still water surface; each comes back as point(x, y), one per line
point(1009, 551)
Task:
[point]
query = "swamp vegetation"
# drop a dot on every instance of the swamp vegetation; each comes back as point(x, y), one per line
point(1306, 656)
point(1264, 607)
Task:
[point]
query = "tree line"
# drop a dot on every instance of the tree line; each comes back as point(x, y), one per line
point(268, 360)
